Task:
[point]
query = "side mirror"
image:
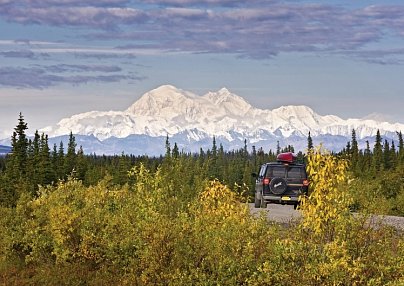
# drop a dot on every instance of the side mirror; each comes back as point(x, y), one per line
point(254, 175)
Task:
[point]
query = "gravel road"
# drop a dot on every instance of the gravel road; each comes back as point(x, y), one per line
point(286, 214)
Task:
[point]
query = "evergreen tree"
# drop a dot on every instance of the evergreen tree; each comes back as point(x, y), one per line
point(254, 156)
point(168, 148)
point(347, 150)
point(377, 162)
point(19, 144)
point(260, 157)
point(214, 147)
point(223, 168)
point(288, 148)
point(367, 157)
point(60, 167)
point(47, 173)
point(175, 151)
point(54, 157)
point(70, 159)
point(386, 155)
point(213, 166)
point(35, 159)
point(400, 148)
point(354, 151)
point(245, 150)
point(15, 180)
point(309, 142)
point(393, 155)
point(122, 169)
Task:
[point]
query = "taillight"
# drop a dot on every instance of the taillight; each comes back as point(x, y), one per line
point(306, 183)
point(266, 181)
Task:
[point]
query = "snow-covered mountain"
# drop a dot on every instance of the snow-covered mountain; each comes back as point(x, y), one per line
point(193, 119)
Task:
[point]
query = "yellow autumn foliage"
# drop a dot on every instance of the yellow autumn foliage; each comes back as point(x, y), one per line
point(157, 232)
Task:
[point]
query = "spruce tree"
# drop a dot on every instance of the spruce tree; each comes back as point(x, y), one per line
point(245, 150)
point(400, 149)
point(386, 155)
point(168, 148)
point(393, 155)
point(54, 157)
point(367, 157)
point(48, 172)
point(354, 151)
point(214, 147)
point(348, 149)
point(15, 180)
point(61, 162)
point(19, 144)
point(213, 166)
point(175, 152)
point(70, 159)
point(122, 169)
point(35, 159)
point(254, 156)
point(309, 143)
point(377, 161)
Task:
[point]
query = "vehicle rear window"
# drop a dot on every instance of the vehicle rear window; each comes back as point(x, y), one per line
point(276, 171)
point(294, 173)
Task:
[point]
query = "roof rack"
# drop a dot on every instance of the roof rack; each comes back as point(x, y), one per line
point(287, 157)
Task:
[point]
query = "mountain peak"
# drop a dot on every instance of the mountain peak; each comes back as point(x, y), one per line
point(165, 88)
point(224, 90)
point(164, 97)
point(228, 100)
point(168, 91)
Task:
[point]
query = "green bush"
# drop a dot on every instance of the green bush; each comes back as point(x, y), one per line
point(162, 230)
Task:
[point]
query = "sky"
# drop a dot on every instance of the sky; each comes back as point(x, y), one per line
point(63, 57)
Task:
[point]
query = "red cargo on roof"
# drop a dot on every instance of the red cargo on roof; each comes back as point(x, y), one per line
point(288, 157)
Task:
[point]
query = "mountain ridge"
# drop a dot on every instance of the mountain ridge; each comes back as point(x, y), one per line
point(168, 110)
point(192, 120)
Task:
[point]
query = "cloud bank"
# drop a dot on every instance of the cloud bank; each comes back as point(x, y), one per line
point(257, 29)
point(254, 29)
point(40, 77)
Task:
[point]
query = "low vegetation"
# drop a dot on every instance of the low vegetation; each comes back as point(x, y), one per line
point(167, 221)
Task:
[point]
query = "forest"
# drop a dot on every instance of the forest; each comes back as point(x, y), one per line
point(69, 218)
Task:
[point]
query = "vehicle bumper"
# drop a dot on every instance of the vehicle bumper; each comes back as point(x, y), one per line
point(290, 200)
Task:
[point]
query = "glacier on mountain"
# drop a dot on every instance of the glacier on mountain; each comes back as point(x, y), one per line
point(192, 118)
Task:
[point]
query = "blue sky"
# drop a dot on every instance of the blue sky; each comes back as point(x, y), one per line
point(62, 57)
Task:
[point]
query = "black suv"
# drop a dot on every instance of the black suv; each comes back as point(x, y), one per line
point(281, 182)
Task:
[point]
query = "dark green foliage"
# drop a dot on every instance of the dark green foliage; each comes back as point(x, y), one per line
point(46, 171)
point(60, 162)
point(377, 154)
point(176, 151)
point(19, 144)
point(400, 148)
point(309, 142)
point(386, 155)
point(168, 148)
point(43, 166)
point(70, 159)
point(354, 152)
point(367, 158)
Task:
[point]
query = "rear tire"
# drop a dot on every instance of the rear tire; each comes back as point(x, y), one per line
point(264, 204)
point(257, 202)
